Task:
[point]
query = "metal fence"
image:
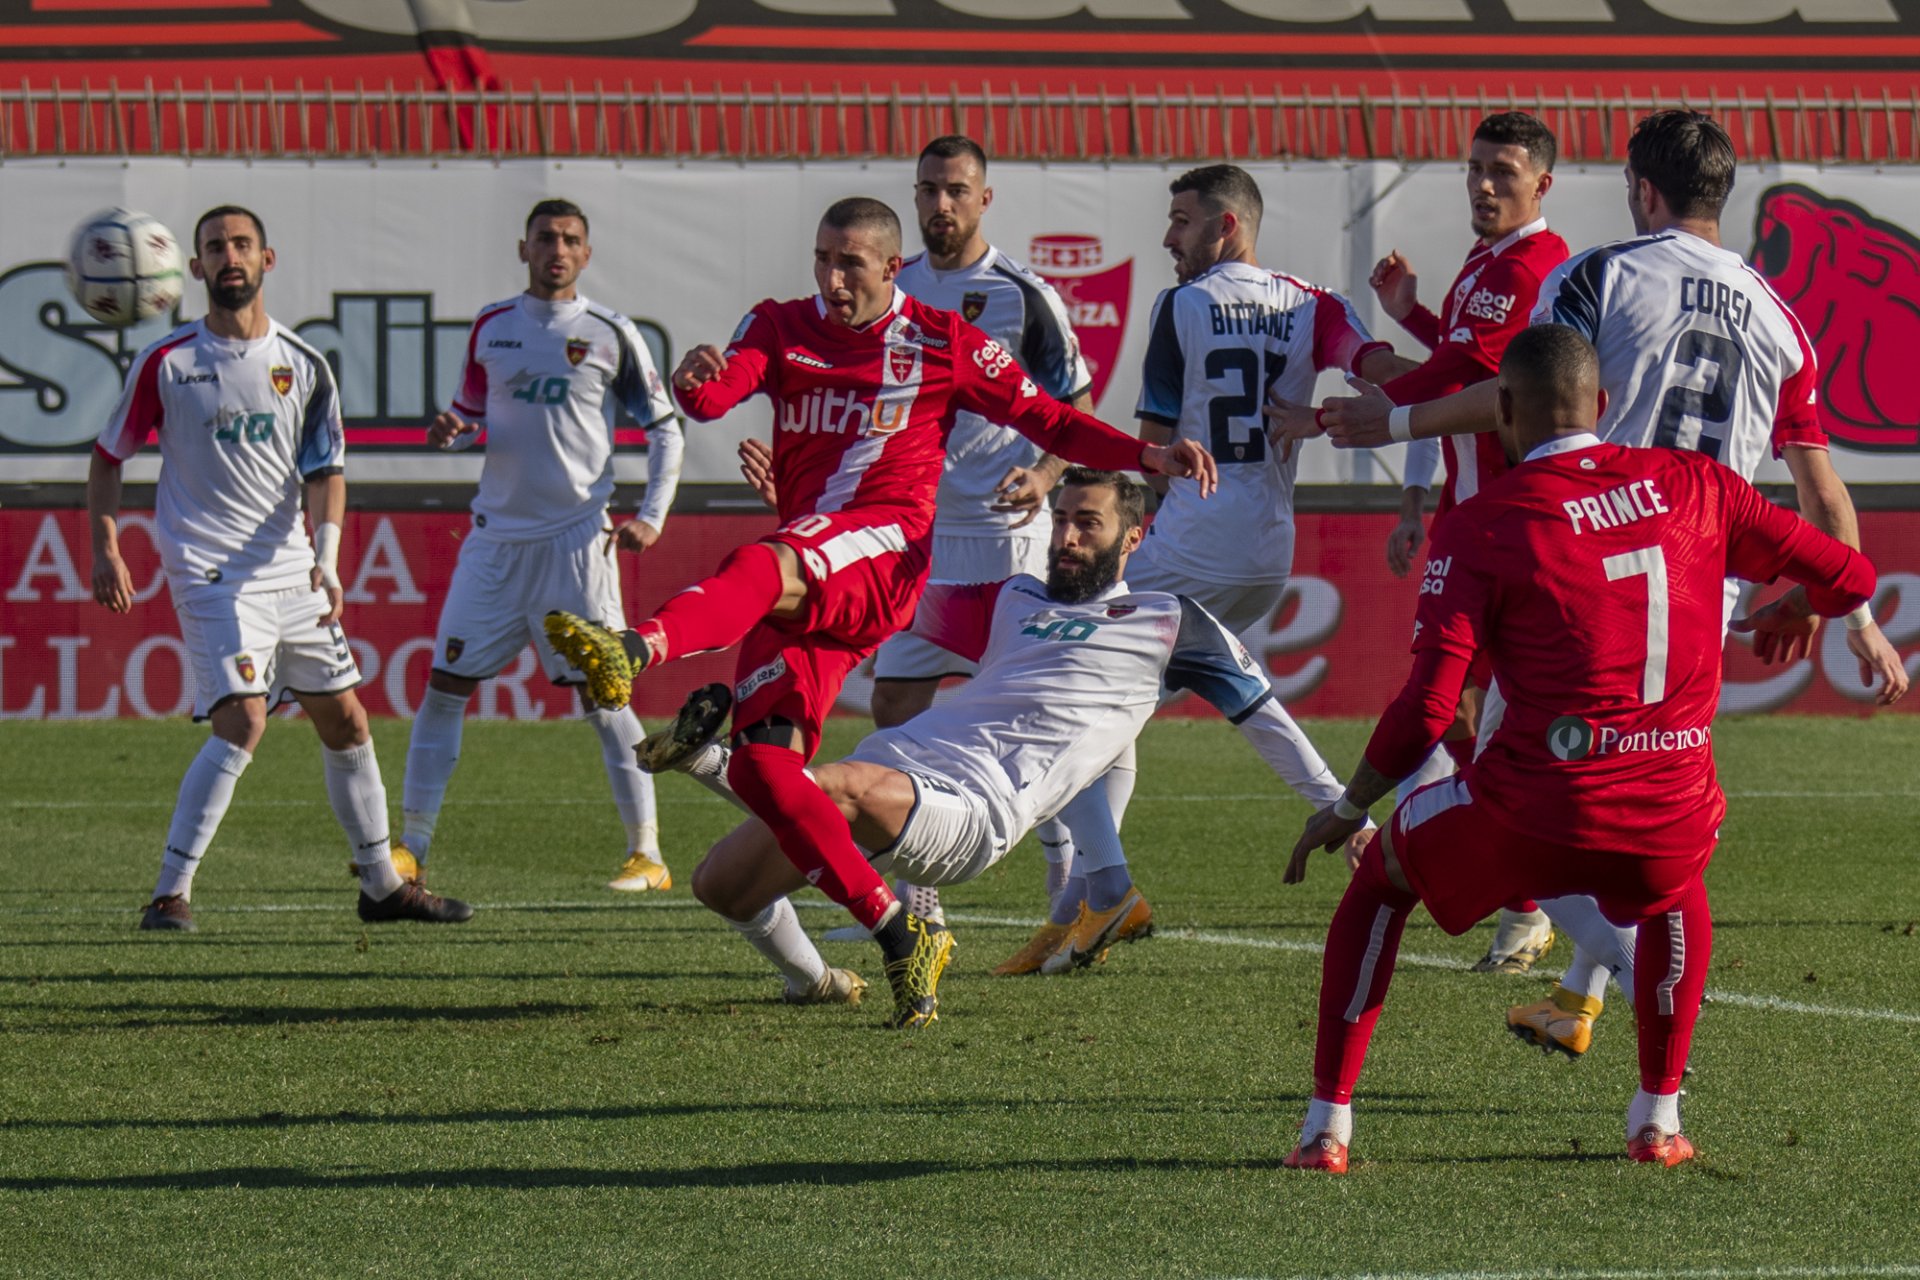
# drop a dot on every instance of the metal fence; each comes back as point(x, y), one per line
point(815, 124)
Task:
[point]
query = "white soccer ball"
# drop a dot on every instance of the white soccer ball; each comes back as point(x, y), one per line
point(124, 267)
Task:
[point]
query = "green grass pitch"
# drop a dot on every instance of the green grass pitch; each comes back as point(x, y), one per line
point(579, 1083)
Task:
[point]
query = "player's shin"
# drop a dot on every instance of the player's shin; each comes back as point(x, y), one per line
point(715, 612)
point(1603, 942)
point(1674, 949)
point(1056, 846)
point(619, 732)
point(776, 934)
point(1100, 876)
point(205, 793)
point(433, 749)
point(359, 800)
point(1362, 944)
point(775, 786)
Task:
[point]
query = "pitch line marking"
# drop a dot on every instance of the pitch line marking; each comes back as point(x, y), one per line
point(1735, 999)
point(1651, 1273)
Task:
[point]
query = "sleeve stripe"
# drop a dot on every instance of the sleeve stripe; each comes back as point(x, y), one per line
point(144, 411)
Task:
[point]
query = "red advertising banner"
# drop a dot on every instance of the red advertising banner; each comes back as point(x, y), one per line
point(1337, 647)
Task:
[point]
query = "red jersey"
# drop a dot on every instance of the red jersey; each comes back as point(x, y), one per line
point(1490, 301)
point(861, 416)
point(1592, 575)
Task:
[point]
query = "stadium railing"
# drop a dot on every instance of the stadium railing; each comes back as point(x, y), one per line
point(809, 123)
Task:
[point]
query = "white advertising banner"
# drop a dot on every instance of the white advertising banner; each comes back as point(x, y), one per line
point(382, 266)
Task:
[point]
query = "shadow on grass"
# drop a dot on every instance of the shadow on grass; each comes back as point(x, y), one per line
point(217, 1015)
point(1283, 1104)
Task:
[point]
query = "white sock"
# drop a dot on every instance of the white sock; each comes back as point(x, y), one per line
point(921, 901)
point(1056, 846)
point(1118, 784)
point(433, 749)
point(1096, 832)
point(1436, 766)
point(776, 934)
point(1586, 976)
point(709, 769)
point(1605, 942)
point(1662, 1109)
point(1334, 1118)
point(205, 793)
point(359, 801)
point(620, 732)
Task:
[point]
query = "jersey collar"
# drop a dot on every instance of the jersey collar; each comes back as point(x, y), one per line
point(979, 266)
point(1564, 444)
point(1512, 238)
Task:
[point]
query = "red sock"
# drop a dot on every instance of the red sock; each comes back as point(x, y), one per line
point(1669, 977)
point(1461, 749)
point(1362, 942)
point(773, 782)
point(715, 612)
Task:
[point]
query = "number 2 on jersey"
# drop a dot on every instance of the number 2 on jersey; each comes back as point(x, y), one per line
point(1652, 562)
point(1248, 444)
point(1712, 407)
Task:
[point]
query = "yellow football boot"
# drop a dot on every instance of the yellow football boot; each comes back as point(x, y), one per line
point(642, 873)
point(596, 653)
point(1562, 1023)
point(915, 977)
point(1028, 959)
point(1093, 932)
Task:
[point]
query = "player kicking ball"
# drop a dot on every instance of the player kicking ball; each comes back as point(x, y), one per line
point(866, 384)
point(1068, 671)
point(1592, 575)
point(247, 414)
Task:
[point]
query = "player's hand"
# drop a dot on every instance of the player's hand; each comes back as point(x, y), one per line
point(1356, 845)
point(756, 465)
point(1023, 489)
point(1360, 421)
point(1782, 630)
point(1395, 285)
point(634, 536)
point(1288, 422)
point(699, 366)
point(336, 599)
point(1404, 543)
point(1184, 458)
point(449, 427)
point(1325, 830)
point(112, 584)
point(1878, 658)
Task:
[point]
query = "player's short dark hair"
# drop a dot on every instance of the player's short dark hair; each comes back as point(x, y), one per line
point(1223, 186)
point(863, 213)
point(1550, 356)
point(953, 146)
point(558, 209)
point(229, 211)
point(1518, 129)
point(1687, 157)
point(1129, 499)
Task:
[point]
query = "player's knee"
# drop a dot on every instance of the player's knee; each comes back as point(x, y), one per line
point(241, 721)
point(459, 686)
point(898, 701)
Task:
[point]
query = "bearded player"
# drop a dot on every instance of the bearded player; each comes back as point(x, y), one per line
point(248, 416)
point(1697, 353)
point(544, 371)
point(1509, 173)
point(1067, 672)
point(1592, 575)
point(866, 384)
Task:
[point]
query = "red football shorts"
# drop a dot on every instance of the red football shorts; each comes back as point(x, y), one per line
point(864, 581)
point(1464, 863)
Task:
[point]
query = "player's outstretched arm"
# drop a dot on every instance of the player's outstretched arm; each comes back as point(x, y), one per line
point(327, 508)
point(1369, 419)
point(1340, 824)
point(112, 584)
point(708, 381)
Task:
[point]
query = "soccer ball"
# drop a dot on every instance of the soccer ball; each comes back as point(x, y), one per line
point(124, 267)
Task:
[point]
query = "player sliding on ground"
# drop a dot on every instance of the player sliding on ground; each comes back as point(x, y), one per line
point(247, 414)
point(866, 384)
point(1069, 670)
point(1592, 575)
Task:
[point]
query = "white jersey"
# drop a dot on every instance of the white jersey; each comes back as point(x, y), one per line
point(242, 424)
point(1218, 345)
point(1696, 350)
point(543, 379)
point(1063, 690)
point(1021, 312)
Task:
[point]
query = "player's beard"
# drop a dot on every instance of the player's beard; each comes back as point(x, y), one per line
point(944, 242)
point(231, 296)
point(1086, 578)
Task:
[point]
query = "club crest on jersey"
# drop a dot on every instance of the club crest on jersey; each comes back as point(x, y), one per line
point(973, 306)
point(243, 665)
point(282, 376)
point(900, 362)
point(1121, 610)
point(577, 349)
point(1095, 295)
point(455, 647)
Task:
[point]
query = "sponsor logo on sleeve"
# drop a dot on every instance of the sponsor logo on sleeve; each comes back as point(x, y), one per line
point(282, 376)
point(577, 349)
point(760, 679)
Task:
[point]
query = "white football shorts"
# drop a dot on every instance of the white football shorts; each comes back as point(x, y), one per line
point(269, 643)
point(501, 591)
point(950, 837)
point(905, 656)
